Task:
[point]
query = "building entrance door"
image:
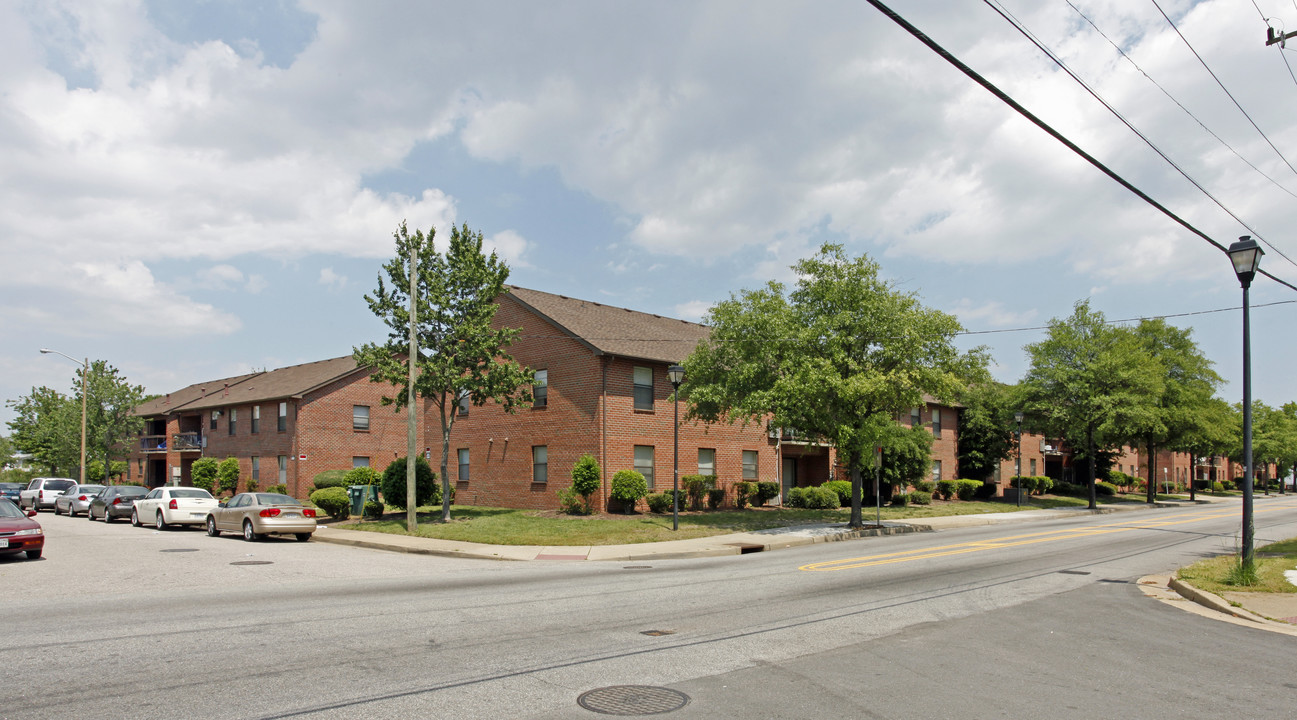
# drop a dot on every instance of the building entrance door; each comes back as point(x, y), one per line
point(789, 476)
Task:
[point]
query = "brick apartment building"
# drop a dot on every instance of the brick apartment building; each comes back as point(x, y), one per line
point(284, 426)
point(601, 385)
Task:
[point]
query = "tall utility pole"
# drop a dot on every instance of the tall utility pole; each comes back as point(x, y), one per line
point(412, 421)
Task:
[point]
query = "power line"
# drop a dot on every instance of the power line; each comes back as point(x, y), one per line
point(1172, 98)
point(1009, 18)
point(997, 92)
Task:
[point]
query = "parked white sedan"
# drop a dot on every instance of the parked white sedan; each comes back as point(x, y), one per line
point(169, 505)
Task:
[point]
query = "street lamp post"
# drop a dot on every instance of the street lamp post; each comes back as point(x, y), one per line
point(85, 373)
point(677, 375)
point(1018, 461)
point(1246, 256)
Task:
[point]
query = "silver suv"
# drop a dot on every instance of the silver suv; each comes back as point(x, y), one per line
point(41, 492)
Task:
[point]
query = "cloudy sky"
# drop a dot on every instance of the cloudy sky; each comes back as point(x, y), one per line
point(192, 190)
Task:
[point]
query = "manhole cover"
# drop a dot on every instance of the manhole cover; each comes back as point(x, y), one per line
point(180, 550)
point(633, 700)
point(252, 562)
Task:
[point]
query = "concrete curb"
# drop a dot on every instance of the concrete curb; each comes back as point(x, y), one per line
point(1211, 601)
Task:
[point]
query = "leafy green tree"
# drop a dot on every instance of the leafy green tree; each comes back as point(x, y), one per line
point(1274, 435)
point(1091, 383)
point(227, 473)
point(111, 426)
point(836, 359)
point(907, 457)
point(1217, 432)
point(1288, 449)
point(203, 473)
point(47, 425)
point(1188, 384)
point(462, 356)
point(586, 480)
point(393, 484)
point(95, 470)
point(986, 427)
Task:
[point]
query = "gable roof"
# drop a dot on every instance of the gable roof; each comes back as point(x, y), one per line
point(292, 381)
point(610, 330)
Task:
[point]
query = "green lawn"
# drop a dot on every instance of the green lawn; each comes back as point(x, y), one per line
point(1214, 574)
point(504, 526)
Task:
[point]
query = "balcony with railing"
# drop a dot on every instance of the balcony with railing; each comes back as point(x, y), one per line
point(183, 442)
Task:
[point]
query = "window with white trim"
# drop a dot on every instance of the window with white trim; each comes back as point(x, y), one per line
point(706, 461)
point(234, 417)
point(359, 461)
point(256, 419)
point(750, 473)
point(283, 469)
point(540, 389)
point(463, 464)
point(360, 417)
point(540, 463)
point(644, 463)
point(936, 470)
point(936, 422)
point(283, 417)
point(916, 417)
point(256, 468)
point(643, 380)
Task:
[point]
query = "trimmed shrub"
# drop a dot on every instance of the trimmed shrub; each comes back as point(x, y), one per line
point(1070, 489)
point(280, 488)
point(715, 498)
point(1027, 484)
point(1105, 488)
point(967, 489)
point(203, 473)
point(843, 490)
point(696, 487)
point(900, 499)
point(330, 478)
point(795, 498)
point(985, 491)
point(926, 486)
point(918, 497)
point(333, 501)
point(946, 488)
point(1218, 486)
point(659, 503)
point(427, 491)
point(765, 492)
point(585, 478)
point(227, 474)
point(1226, 485)
point(571, 502)
point(373, 509)
point(1043, 484)
point(822, 498)
point(628, 486)
point(742, 491)
point(363, 476)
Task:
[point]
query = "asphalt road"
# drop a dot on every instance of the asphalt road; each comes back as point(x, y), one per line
point(1009, 621)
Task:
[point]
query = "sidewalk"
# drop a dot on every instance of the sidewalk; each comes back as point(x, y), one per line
point(714, 546)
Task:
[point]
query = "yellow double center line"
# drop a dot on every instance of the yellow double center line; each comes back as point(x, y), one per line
point(1023, 539)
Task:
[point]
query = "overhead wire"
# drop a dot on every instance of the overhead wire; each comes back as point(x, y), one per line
point(1005, 98)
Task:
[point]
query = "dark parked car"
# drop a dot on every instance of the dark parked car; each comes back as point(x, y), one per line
point(11, 490)
point(18, 532)
point(116, 501)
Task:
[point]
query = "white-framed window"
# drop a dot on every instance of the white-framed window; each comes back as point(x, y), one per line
point(540, 463)
point(256, 468)
point(643, 380)
point(464, 401)
point(936, 422)
point(360, 417)
point(936, 470)
point(359, 461)
point(706, 461)
point(256, 419)
point(283, 469)
point(463, 464)
point(750, 465)
point(1033, 467)
point(540, 389)
point(216, 414)
point(644, 463)
point(283, 417)
point(234, 418)
point(916, 417)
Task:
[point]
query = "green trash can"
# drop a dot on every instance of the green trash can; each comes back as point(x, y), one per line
point(360, 494)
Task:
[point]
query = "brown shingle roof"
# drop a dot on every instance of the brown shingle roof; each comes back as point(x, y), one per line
point(292, 381)
point(610, 330)
point(286, 382)
point(163, 404)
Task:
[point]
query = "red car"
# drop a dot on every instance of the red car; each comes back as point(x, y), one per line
point(18, 532)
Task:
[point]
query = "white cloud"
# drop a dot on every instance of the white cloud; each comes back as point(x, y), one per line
point(331, 279)
point(219, 277)
point(510, 246)
point(693, 310)
point(973, 314)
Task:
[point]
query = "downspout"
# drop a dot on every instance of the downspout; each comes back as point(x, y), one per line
point(603, 429)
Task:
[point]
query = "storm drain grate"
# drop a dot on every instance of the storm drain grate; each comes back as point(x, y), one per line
point(747, 548)
point(1073, 572)
point(633, 700)
point(252, 562)
point(657, 633)
point(180, 550)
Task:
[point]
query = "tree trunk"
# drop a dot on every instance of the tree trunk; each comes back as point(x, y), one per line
point(445, 479)
point(856, 519)
point(1089, 448)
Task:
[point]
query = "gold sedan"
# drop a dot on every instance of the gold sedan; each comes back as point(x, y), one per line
point(259, 514)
